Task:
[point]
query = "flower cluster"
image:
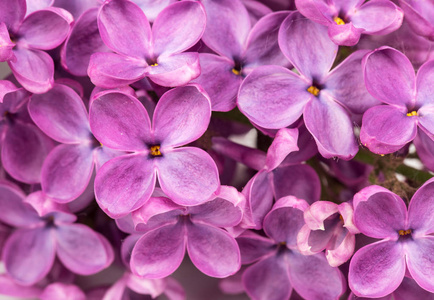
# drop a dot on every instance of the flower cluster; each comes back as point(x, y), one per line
point(120, 131)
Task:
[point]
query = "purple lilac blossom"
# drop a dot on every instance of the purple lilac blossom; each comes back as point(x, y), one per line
point(274, 97)
point(141, 51)
point(23, 39)
point(420, 16)
point(408, 104)
point(187, 175)
point(347, 20)
point(377, 269)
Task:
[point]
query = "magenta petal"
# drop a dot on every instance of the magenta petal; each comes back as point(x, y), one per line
point(410, 290)
point(254, 246)
point(120, 121)
point(424, 87)
point(23, 152)
point(378, 17)
point(34, 69)
point(62, 291)
point(12, 12)
point(218, 212)
point(332, 128)
point(319, 51)
point(418, 16)
point(159, 252)
point(268, 279)
point(152, 8)
point(316, 10)
point(313, 278)
point(389, 76)
point(178, 27)
point(83, 41)
point(374, 282)
point(6, 44)
point(181, 116)
point(124, 28)
point(187, 175)
point(82, 250)
point(124, 183)
point(419, 262)
point(216, 72)
point(227, 27)
point(8, 287)
point(386, 129)
point(426, 119)
point(379, 213)
point(175, 70)
point(262, 46)
point(61, 114)
point(7, 87)
point(111, 70)
point(29, 254)
point(45, 29)
point(284, 143)
point(213, 261)
point(273, 97)
point(345, 83)
point(67, 171)
point(344, 35)
point(421, 209)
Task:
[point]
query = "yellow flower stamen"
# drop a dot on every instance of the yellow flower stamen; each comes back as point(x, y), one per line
point(155, 150)
point(338, 21)
point(235, 71)
point(412, 114)
point(154, 65)
point(313, 90)
point(404, 232)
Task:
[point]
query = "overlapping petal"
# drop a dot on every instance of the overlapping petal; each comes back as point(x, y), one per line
point(419, 263)
point(421, 209)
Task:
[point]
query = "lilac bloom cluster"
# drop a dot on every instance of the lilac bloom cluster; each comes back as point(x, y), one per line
point(263, 143)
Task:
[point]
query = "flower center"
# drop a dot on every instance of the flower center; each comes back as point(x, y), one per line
point(412, 113)
point(237, 68)
point(404, 232)
point(339, 21)
point(155, 150)
point(154, 65)
point(313, 90)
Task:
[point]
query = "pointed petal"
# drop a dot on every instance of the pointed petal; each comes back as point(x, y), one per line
point(345, 84)
point(67, 171)
point(34, 70)
point(389, 76)
point(377, 269)
point(175, 70)
point(318, 51)
point(227, 27)
point(124, 29)
point(111, 70)
point(187, 175)
point(120, 121)
point(220, 261)
point(181, 116)
point(268, 279)
point(262, 46)
point(344, 35)
point(379, 213)
point(23, 152)
point(418, 16)
point(178, 27)
point(124, 183)
point(378, 17)
point(28, 254)
point(82, 250)
point(45, 29)
point(343, 252)
point(216, 72)
point(421, 209)
point(419, 263)
point(316, 10)
point(284, 143)
point(61, 114)
point(386, 129)
point(318, 212)
point(273, 97)
point(310, 271)
point(159, 252)
point(332, 128)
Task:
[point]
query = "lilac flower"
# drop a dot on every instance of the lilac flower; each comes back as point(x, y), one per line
point(140, 51)
point(170, 229)
point(241, 49)
point(420, 16)
point(57, 291)
point(44, 229)
point(279, 266)
point(9, 287)
point(274, 97)
point(23, 146)
point(389, 77)
point(60, 113)
point(23, 39)
point(347, 20)
point(187, 175)
point(328, 226)
point(406, 241)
